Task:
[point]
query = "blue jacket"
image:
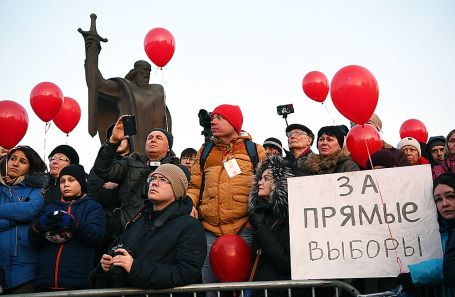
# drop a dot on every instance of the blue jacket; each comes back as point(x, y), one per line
point(429, 273)
point(19, 205)
point(67, 265)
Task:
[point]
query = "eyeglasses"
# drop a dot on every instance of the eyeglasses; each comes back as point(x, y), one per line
point(59, 159)
point(296, 134)
point(161, 180)
point(188, 158)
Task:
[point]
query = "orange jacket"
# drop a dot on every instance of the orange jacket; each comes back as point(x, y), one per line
point(223, 208)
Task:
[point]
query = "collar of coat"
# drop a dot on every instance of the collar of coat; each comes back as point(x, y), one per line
point(315, 163)
point(236, 140)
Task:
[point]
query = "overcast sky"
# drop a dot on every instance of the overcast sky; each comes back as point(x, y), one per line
point(250, 53)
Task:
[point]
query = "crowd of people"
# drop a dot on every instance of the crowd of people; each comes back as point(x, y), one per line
point(149, 221)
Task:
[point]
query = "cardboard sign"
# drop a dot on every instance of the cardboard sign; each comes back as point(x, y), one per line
point(339, 229)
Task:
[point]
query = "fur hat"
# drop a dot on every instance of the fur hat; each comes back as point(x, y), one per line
point(76, 171)
point(273, 143)
point(170, 138)
point(68, 151)
point(280, 169)
point(334, 130)
point(232, 114)
point(177, 178)
point(409, 141)
point(383, 158)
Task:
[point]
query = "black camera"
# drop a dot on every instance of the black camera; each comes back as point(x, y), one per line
point(117, 272)
point(284, 110)
point(205, 122)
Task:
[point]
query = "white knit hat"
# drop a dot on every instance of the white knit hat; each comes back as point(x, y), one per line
point(409, 141)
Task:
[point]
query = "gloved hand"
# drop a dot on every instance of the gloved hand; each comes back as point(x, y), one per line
point(68, 222)
point(54, 219)
point(257, 215)
point(405, 280)
point(40, 224)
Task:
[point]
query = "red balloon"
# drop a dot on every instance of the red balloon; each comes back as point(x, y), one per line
point(230, 259)
point(316, 86)
point(355, 142)
point(159, 45)
point(46, 100)
point(13, 123)
point(415, 129)
point(355, 93)
point(68, 117)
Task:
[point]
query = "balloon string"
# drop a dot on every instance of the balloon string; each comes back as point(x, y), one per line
point(383, 207)
point(46, 128)
point(67, 135)
point(328, 112)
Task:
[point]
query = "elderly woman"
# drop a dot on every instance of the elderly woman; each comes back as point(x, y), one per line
point(332, 158)
point(22, 180)
point(268, 204)
point(411, 148)
point(448, 165)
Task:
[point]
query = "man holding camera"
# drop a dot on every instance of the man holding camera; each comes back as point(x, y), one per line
point(162, 246)
point(131, 172)
point(221, 187)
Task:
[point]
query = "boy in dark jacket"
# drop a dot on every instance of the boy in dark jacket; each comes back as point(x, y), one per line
point(66, 234)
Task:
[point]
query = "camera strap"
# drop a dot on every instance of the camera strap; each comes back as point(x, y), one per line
point(158, 222)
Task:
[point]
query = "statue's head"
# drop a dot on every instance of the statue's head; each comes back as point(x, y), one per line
point(140, 74)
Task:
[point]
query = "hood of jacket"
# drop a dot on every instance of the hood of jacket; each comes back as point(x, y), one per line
point(280, 169)
point(37, 180)
point(315, 163)
point(243, 135)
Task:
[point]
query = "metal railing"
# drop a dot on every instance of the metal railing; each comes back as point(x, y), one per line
point(214, 287)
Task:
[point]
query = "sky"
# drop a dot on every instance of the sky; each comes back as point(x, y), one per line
point(249, 53)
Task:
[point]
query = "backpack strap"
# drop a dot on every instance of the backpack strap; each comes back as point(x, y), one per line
point(205, 153)
point(252, 151)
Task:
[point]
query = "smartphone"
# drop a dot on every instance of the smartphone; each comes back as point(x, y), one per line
point(129, 125)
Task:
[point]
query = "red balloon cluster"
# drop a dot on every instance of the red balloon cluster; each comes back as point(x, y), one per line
point(316, 86)
point(415, 129)
point(230, 258)
point(46, 100)
point(13, 123)
point(69, 116)
point(355, 93)
point(159, 45)
point(357, 139)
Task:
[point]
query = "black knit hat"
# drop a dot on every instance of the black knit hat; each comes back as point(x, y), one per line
point(433, 141)
point(382, 158)
point(77, 171)
point(335, 131)
point(273, 143)
point(68, 151)
point(170, 138)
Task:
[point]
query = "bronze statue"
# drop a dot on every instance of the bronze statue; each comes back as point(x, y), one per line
point(111, 98)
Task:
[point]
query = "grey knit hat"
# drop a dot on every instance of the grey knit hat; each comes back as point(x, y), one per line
point(177, 178)
point(409, 141)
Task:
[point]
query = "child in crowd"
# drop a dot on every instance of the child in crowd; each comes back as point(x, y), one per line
point(66, 234)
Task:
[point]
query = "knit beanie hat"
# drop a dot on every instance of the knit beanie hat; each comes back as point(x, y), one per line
point(334, 130)
point(77, 171)
point(170, 138)
point(409, 141)
point(68, 151)
point(232, 114)
point(273, 143)
point(382, 158)
point(177, 178)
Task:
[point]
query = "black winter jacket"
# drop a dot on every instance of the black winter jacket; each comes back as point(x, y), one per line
point(170, 256)
point(272, 236)
point(130, 173)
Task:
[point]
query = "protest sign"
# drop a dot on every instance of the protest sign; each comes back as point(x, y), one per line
point(339, 227)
